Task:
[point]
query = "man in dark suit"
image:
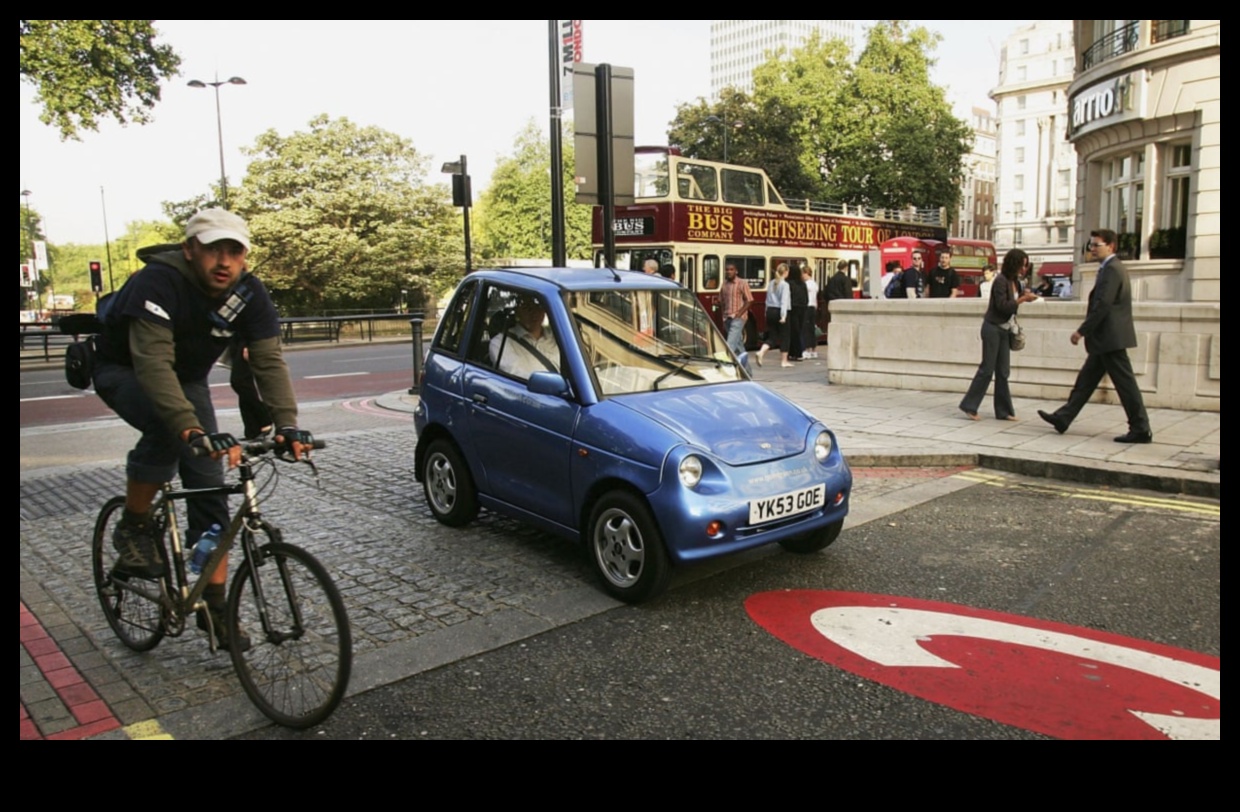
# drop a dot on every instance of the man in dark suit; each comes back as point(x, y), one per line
point(1109, 333)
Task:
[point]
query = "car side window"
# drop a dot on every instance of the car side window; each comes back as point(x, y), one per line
point(518, 339)
point(456, 318)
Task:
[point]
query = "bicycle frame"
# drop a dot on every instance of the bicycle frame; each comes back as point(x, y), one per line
point(188, 597)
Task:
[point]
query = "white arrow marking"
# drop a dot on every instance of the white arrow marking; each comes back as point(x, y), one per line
point(891, 637)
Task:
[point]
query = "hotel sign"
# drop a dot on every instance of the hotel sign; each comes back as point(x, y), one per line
point(1102, 104)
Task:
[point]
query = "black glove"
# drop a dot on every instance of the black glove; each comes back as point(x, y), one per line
point(292, 434)
point(211, 443)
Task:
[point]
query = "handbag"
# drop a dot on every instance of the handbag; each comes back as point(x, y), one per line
point(1016, 336)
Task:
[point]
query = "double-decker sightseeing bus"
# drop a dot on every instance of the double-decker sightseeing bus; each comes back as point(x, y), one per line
point(969, 257)
point(700, 216)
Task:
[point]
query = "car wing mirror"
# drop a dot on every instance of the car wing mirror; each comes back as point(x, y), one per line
point(548, 383)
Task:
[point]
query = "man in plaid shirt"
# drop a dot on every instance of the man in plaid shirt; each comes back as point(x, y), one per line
point(735, 299)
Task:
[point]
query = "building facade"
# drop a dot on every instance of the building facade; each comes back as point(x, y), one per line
point(739, 46)
point(1036, 163)
point(975, 220)
point(1145, 123)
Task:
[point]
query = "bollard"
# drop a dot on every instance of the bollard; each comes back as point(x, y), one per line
point(415, 327)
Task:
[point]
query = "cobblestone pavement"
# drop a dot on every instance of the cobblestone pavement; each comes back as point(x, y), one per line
point(409, 584)
point(420, 595)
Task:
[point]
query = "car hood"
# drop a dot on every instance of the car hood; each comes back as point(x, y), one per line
point(739, 423)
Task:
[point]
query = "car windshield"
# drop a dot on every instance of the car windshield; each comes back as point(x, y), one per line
point(647, 340)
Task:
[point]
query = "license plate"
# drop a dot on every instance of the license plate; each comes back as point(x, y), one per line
point(787, 504)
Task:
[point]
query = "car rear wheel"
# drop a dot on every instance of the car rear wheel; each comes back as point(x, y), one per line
point(814, 540)
point(449, 488)
point(627, 549)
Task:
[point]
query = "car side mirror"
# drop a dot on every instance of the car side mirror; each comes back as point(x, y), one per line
point(548, 383)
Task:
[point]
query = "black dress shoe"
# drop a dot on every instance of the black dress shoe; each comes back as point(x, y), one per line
point(1135, 437)
point(1054, 420)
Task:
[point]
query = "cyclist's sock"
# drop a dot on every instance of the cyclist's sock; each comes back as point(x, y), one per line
point(214, 596)
point(136, 520)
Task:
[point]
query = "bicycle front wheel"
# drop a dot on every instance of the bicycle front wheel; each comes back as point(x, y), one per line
point(130, 604)
point(297, 666)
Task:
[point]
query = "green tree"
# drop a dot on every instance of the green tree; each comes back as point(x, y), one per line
point(901, 145)
point(876, 132)
point(85, 70)
point(342, 217)
point(514, 213)
point(758, 135)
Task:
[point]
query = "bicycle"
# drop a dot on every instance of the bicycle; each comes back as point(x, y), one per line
point(297, 667)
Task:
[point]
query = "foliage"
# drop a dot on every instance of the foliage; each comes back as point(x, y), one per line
point(876, 132)
point(514, 213)
point(179, 211)
point(904, 147)
point(341, 217)
point(85, 70)
point(758, 135)
point(27, 220)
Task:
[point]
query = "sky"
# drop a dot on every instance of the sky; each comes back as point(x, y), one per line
point(450, 87)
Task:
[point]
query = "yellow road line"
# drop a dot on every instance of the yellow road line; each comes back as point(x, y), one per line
point(149, 730)
point(1000, 481)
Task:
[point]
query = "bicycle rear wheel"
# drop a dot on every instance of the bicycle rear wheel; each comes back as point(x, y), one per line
point(130, 604)
point(297, 667)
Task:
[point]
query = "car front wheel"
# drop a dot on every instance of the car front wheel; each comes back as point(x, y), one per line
point(627, 549)
point(814, 540)
point(449, 488)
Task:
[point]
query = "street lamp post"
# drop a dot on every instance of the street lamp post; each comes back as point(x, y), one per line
point(219, 126)
point(726, 128)
point(462, 196)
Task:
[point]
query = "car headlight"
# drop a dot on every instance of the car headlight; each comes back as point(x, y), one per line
point(690, 471)
point(822, 446)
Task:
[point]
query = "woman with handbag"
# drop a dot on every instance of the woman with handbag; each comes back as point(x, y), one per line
point(778, 301)
point(997, 327)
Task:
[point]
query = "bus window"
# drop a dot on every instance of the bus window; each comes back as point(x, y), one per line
point(688, 267)
point(751, 269)
point(710, 273)
point(742, 188)
point(695, 182)
point(650, 175)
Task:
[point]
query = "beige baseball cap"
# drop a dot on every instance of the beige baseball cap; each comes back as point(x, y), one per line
point(213, 225)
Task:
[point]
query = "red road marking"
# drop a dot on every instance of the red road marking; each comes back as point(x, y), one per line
point(1052, 678)
point(89, 711)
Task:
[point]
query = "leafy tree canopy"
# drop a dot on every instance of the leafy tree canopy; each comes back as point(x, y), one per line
point(514, 213)
point(875, 132)
point(341, 217)
point(85, 70)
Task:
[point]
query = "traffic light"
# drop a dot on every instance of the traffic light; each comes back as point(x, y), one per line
point(96, 276)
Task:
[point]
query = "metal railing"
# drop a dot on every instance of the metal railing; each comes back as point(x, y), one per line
point(1118, 42)
point(926, 216)
point(1167, 29)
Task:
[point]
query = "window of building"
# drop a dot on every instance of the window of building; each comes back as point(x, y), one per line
point(1063, 191)
point(1123, 200)
point(1021, 73)
point(1018, 183)
point(1018, 209)
point(1018, 236)
point(1020, 155)
point(1020, 126)
point(1020, 102)
point(1179, 166)
point(1024, 46)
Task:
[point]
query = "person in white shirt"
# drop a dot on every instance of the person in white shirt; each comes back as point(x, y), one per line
point(809, 330)
point(528, 346)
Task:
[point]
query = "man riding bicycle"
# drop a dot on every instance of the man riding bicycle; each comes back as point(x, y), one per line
point(162, 333)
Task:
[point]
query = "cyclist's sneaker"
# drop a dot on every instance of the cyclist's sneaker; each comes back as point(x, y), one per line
point(138, 545)
point(224, 636)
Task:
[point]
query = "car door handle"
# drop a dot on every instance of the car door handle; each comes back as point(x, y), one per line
point(479, 398)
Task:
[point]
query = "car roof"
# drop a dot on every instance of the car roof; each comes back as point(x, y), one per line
point(578, 278)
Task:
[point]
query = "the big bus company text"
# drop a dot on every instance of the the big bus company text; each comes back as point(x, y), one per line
point(702, 216)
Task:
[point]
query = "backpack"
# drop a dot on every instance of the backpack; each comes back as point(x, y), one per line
point(80, 355)
point(895, 286)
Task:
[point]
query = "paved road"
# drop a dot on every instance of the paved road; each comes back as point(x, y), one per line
point(697, 664)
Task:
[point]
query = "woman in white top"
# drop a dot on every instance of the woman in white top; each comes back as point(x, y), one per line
point(778, 301)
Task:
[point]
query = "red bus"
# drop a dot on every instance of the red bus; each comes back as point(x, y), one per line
point(700, 216)
point(968, 257)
